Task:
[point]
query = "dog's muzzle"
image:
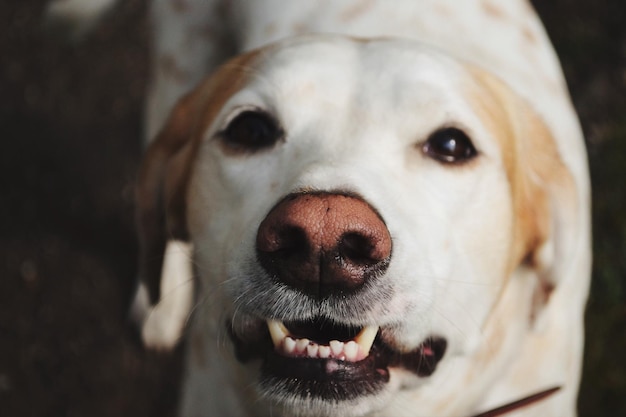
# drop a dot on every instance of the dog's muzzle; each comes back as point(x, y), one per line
point(326, 245)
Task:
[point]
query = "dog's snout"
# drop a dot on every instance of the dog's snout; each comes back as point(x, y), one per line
point(323, 243)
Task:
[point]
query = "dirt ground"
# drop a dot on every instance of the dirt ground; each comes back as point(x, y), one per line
point(70, 129)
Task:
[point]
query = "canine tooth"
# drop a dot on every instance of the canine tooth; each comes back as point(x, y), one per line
point(278, 331)
point(365, 338)
point(301, 345)
point(351, 349)
point(324, 352)
point(289, 345)
point(336, 347)
point(312, 349)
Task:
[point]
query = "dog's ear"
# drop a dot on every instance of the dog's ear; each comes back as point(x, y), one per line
point(161, 192)
point(161, 205)
point(544, 194)
point(545, 202)
point(165, 253)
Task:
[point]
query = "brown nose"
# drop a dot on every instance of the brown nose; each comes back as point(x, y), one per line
point(323, 243)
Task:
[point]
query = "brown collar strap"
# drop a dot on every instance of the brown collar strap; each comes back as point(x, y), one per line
point(519, 403)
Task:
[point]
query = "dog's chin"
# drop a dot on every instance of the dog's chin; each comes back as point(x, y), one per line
point(321, 364)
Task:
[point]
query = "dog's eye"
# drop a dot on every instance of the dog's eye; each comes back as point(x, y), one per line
point(449, 145)
point(252, 130)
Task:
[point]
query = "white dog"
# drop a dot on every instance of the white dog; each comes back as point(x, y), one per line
point(387, 219)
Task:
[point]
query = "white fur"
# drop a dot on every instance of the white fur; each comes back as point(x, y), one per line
point(162, 325)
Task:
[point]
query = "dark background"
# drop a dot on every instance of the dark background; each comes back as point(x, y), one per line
point(70, 129)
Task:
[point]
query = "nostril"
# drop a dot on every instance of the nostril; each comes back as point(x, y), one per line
point(282, 247)
point(288, 242)
point(358, 249)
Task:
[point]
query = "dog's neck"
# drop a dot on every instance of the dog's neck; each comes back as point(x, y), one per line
point(515, 405)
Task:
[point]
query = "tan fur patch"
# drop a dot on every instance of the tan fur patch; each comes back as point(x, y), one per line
point(300, 28)
point(493, 10)
point(530, 36)
point(443, 10)
point(357, 9)
point(533, 166)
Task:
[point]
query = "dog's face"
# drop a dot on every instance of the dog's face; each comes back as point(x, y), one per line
point(356, 209)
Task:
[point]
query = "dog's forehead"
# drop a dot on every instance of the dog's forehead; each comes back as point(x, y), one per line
point(348, 71)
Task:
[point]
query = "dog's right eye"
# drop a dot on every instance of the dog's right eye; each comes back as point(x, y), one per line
point(251, 131)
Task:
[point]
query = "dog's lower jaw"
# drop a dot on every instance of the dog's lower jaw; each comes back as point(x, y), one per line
point(217, 385)
point(333, 385)
point(293, 406)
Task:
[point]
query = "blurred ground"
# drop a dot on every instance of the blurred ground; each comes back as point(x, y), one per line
point(70, 123)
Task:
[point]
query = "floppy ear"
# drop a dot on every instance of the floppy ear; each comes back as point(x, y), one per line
point(546, 204)
point(161, 206)
point(164, 252)
point(162, 185)
point(543, 190)
point(161, 192)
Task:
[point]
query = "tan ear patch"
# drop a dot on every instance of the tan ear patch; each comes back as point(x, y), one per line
point(161, 191)
point(539, 180)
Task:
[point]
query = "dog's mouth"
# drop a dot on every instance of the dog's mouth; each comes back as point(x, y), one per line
point(325, 360)
point(319, 340)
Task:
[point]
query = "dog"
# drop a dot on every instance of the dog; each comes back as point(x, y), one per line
point(370, 209)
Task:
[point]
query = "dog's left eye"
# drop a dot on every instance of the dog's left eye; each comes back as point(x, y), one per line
point(449, 145)
point(252, 130)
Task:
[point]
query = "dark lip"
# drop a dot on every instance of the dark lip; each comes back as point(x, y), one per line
point(333, 379)
point(327, 379)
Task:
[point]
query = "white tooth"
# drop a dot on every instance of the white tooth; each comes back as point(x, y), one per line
point(336, 347)
point(324, 352)
point(351, 349)
point(301, 345)
point(312, 349)
point(365, 338)
point(278, 331)
point(289, 345)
